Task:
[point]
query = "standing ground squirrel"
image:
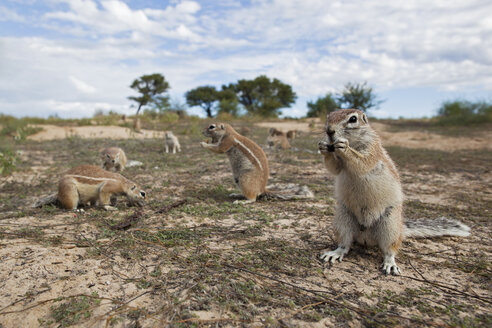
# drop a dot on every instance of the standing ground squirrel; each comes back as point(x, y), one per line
point(170, 140)
point(248, 161)
point(92, 184)
point(113, 157)
point(368, 192)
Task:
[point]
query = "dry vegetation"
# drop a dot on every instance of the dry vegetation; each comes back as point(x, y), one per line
point(190, 258)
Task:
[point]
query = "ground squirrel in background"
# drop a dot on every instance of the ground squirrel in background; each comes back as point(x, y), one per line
point(248, 161)
point(277, 139)
point(368, 192)
point(171, 141)
point(89, 184)
point(113, 157)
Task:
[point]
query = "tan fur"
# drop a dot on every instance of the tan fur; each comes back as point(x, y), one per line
point(92, 184)
point(367, 187)
point(277, 139)
point(248, 161)
point(113, 158)
point(171, 141)
point(291, 134)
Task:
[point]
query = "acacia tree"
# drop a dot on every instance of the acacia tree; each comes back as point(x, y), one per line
point(322, 106)
point(358, 95)
point(263, 96)
point(206, 97)
point(150, 87)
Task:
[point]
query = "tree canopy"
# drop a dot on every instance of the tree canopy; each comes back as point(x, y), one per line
point(151, 87)
point(359, 96)
point(322, 106)
point(205, 97)
point(354, 95)
point(262, 96)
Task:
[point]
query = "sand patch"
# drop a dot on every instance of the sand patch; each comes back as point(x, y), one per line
point(407, 139)
point(51, 132)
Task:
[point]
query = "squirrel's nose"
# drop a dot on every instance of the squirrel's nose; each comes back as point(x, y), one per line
point(112, 161)
point(330, 133)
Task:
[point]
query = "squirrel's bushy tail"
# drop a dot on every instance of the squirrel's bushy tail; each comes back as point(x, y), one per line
point(435, 228)
point(287, 191)
point(47, 200)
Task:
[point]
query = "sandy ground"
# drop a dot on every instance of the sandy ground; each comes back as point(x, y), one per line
point(35, 273)
point(413, 139)
point(51, 132)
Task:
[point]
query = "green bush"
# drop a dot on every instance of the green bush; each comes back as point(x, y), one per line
point(462, 112)
point(8, 161)
point(16, 128)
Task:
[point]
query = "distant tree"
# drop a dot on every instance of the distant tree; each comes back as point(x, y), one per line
point(205, 97)
point(150, 87)
point(322, 106)
point(228, 102)
point(263, 96)
point(161, 103)
point(461, 112)
point(359, 96)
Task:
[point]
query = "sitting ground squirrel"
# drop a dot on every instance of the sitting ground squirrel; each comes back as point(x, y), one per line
point(368, 192)
point(248, 161)
point(91, 184)
point(277, 139)
point(171, 141)
point(113, 157)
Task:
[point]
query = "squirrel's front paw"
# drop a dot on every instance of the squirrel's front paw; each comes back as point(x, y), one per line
point(203, 144)
point(341, 144)
point(325, 148)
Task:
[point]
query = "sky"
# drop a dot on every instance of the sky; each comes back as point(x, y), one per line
point(73, 57)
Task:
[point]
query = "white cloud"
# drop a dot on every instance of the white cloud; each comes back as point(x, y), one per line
point(314, 45)
point(9, 15)
point(82, 86)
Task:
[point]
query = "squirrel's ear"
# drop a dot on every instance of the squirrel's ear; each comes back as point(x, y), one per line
point(364, 118)
point(222, 126)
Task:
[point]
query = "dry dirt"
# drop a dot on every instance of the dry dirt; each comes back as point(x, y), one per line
point(192, 258)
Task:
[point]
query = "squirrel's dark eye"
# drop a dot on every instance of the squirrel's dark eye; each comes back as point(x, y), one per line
point(211, 127)
point(142, 193)
point(352, 119)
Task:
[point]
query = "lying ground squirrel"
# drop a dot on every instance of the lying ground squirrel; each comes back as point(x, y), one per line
point(91, 184)
point(249, 165)
point(277, 139)
point(113, 157)
point(248, 161)
point(368, 192)
point(171, 141)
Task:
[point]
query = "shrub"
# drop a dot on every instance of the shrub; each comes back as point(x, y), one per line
point(462, 112)
point(7, 161)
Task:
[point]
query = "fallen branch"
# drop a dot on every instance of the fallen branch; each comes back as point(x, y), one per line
point(167, 208)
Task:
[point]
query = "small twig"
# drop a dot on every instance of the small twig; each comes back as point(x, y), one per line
point(167, 208)
point(56, 300)
point(301, 309)
point(445, 288)
point(355, 309)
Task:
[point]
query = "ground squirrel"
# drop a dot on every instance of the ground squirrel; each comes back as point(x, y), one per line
point(91, 184)
point(277, 139)
point(368, 192)
point(249, 165)
point(172, 141)
point(248, 161)
point(113, 157)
